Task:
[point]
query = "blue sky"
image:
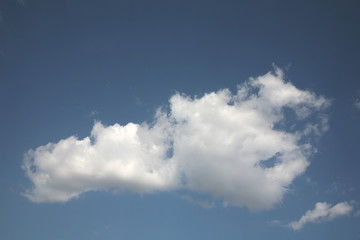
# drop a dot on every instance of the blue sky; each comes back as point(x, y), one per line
point(179, 119)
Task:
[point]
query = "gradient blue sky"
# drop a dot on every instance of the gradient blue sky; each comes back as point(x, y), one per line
point(65, 64)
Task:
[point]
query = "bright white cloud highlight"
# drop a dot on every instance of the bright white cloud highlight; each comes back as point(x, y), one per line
point(323, 212)
point(244, 149)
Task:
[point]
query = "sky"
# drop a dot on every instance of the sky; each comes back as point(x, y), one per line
point(179, 119)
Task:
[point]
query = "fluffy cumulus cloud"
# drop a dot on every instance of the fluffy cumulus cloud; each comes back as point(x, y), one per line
point(323, 212)
point(244, 149)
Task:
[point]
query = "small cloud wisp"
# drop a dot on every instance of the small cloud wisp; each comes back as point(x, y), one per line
point(323, 212)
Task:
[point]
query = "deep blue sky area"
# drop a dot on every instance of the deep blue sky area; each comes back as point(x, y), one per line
point(65, 64)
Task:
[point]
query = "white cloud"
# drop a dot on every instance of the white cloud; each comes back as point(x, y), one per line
point(357, 103)
point(323, 212)
point(22, 2)
point(124, 157)
point(357, 214)
point(202, 203)
point(93, 113)
point(241, 148)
